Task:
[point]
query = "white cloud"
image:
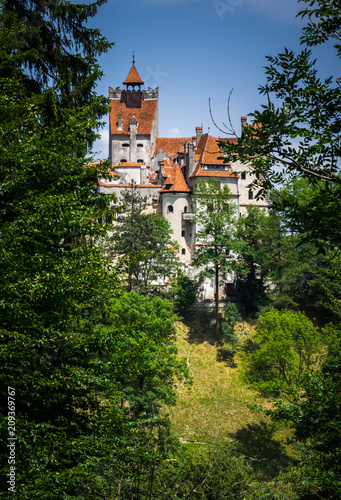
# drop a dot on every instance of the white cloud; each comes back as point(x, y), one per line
point(173, 132)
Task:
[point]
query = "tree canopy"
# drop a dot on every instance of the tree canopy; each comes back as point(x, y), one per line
point(215, 217)
point(296, 134)
point(142, 245)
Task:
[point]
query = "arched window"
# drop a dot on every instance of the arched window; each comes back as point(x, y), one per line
point(185, 209)
point(183, 251)
point(139, 160)
point(170, 209)
point(123, 161)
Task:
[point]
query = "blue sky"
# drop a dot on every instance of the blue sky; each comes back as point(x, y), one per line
point(194, 50)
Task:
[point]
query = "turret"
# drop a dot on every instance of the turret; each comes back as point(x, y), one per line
point(132, 96)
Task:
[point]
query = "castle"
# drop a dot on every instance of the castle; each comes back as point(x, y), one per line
point(166, 169)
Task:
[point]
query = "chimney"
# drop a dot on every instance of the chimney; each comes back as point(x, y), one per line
point(243, 122)
point(191, 158)
point(143, 173)
point(198, 133)
point(132, 139)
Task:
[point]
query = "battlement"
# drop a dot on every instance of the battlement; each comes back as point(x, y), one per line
point(146, 94)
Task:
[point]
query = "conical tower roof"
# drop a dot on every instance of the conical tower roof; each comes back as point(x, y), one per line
point(133, 77)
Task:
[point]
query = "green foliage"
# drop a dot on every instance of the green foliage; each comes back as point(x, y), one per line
point(140, 332)
point(48, 46)
point(258, 236)
point(91, 404)
point(137, 335)
point(215, 215)
point(302, 132)
point(303, 270)
point(316, 420)
point(211, 474)
point(284, 346)
point(142, 242)
point(52, 276)
point(183, 291)
point(298, 129)
point(230, 318)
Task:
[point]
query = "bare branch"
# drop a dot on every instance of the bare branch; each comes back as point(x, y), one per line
point(229, 130)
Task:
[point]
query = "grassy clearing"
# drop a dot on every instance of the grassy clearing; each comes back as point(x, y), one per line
point(214, 410)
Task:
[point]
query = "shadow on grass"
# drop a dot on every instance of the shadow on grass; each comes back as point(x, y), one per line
point(262, 451)
point(201, 327)
point(224, 355)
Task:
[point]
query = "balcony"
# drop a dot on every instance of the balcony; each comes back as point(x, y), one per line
point(188, 216)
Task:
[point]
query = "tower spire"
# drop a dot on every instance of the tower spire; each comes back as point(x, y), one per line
point(133, 57)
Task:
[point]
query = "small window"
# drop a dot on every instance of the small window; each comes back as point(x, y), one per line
point(183, 251)
point(170, 209)
point(250, 195)
point(140, 145)
point(243, 176)
point(125, 145)
point(123, 161)
point(185, 209)
point(139, 160)
point(183, 233)
point(227, 251)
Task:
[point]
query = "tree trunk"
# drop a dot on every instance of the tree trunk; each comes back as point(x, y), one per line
point(216, 297)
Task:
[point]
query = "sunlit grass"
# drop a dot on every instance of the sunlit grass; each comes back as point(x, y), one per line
point(215, 409)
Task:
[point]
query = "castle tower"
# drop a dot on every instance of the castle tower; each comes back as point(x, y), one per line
point(134, 121)
point(132, 96)
point(176, 202)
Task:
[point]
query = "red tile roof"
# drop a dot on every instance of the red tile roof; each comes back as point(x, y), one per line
point(129, 164)
point(105, 184)
point(144, 116)
point(153, 177)
point(166, 167)
point(208, 153)
point(175, 182)
point(133, 77)
point(170, 146)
